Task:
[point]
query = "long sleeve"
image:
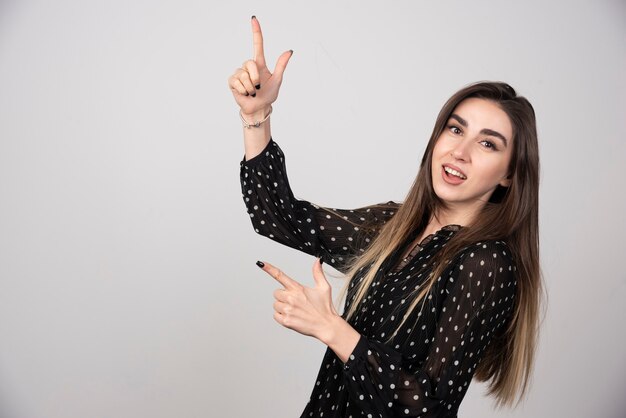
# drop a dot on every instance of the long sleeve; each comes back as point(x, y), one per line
point(330, 233)
point(476, 302)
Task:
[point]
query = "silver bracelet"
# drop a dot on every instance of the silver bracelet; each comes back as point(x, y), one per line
point(255, 124)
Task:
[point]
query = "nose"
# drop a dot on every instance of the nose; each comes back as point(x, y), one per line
point(460, 151)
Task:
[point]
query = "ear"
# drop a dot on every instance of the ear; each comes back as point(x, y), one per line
point(506, 182)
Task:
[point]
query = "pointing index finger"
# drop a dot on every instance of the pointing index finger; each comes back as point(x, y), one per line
point(281, 277)
point(257, 41)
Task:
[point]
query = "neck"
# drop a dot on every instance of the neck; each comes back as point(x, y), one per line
point(450, 216)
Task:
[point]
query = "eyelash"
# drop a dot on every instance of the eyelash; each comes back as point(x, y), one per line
point(491, 144)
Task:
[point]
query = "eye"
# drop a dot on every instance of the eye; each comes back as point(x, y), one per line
point(489, 144)
point(453, 127)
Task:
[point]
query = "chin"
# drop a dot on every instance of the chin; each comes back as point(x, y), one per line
point(447, 197)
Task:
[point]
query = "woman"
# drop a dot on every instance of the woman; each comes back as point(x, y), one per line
point(442, 288)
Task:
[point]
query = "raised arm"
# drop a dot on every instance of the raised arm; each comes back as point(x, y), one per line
point(333, 234)
point(255, 88)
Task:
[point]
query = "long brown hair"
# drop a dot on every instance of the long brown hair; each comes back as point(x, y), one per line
point(511, 214)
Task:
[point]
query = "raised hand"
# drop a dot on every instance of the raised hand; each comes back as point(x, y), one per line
point(253, 86)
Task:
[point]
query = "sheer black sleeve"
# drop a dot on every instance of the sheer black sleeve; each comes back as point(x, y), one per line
point(479, 299)
point(330, 233)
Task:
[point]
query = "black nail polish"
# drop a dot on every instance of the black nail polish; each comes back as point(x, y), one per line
point(253, 95)
point(260, 264)
point(253, 17)
point(258, 87)
point(321, 261)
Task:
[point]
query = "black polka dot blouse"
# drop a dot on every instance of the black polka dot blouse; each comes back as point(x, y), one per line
point(426, 370)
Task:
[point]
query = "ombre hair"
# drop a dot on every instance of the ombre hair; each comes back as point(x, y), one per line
point(510, 214)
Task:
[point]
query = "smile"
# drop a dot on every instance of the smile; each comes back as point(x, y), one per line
point(454, 172)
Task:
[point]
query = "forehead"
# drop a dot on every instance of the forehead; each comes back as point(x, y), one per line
point(483, 113)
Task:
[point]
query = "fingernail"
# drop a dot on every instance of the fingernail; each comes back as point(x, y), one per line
point(258, 86)
point(260, 264)
point(253, 17)
point(253, 95)
point(291, 50)
point(321, 261)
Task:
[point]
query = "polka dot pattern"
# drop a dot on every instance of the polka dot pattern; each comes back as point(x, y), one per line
point(427, 367)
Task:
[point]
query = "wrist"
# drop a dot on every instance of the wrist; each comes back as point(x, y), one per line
point(256, 115)
point(340, 337)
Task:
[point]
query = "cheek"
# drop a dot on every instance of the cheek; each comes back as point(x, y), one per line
point(439, 149)
point(493, 173)
point(505, 163)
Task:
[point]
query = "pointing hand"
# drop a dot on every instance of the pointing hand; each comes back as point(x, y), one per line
point(307, 310)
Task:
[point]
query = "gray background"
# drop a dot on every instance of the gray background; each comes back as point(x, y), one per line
point(127, 278)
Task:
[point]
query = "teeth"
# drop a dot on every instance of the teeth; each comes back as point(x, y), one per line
point(454, 172)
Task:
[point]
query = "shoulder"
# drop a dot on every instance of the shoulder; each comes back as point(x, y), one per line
point(488, 249)
point(491, 260)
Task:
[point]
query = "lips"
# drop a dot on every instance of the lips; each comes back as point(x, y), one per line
point(450, 178)
point(455, 171)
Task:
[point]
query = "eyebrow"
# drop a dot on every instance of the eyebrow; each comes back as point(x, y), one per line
point(485, 131)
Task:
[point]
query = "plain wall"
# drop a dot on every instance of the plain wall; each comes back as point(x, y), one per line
point(127, 279)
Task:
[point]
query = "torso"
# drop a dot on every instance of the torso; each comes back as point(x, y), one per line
point(416, 246)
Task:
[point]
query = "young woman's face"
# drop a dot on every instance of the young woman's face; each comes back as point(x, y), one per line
point(476, 143)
